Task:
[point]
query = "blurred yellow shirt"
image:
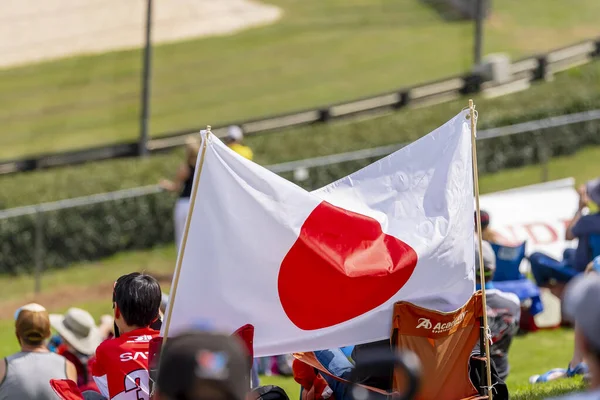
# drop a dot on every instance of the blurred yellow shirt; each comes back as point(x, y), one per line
point(242, 150)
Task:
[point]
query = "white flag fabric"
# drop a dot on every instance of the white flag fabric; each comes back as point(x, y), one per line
point(319, 270)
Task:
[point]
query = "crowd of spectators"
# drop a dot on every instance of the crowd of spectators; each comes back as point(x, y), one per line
point(115, 359)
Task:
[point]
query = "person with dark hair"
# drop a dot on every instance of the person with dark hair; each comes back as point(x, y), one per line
point(487, 233)
point(203, 366)
point(27, 374)
point(182, 185)
point(121, 364)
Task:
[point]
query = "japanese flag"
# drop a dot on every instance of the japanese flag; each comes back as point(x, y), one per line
point(315, 270)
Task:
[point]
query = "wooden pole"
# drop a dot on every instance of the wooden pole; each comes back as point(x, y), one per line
point(177, 271)
point(473, 118)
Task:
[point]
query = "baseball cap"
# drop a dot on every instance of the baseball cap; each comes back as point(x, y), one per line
point(203, 365)
point(593, 190)
point(32, 323)
point(489, 259)
point(234, 132)
point(579, 305)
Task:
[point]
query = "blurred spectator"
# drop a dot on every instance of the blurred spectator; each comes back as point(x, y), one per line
point(234, 139)
point(184, 180)
point(27, 374)
point(581, 296)
point(79, 337)
point(487, 233)
point(121, 364)
point(545, 269)
point(577, 365)
point(202, 365)
point(503, 311)
point(275, 365)
point(164, 302)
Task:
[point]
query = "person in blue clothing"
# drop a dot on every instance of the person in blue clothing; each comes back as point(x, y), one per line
point(548, 271)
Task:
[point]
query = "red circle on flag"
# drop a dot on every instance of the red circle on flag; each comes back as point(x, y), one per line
point(341, 266)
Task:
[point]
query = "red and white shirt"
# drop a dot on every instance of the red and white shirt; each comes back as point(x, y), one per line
point(121, 366)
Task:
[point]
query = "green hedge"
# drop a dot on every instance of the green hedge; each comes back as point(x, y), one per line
point(88, 233)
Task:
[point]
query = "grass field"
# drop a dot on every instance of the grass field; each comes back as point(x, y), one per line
point(320, 52)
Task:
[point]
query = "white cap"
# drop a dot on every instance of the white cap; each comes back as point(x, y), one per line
point(234, 132)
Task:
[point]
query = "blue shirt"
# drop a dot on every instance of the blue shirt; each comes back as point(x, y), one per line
point(586, 226)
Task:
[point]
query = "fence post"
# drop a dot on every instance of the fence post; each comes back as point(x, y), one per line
point(478, 40)
point(39, 250)
point(146, 83)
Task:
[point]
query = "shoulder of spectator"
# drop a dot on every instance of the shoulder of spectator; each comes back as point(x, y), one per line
point(586, 225)
point(71, 371)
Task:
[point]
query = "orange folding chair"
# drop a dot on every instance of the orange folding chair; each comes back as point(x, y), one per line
point(444, 343)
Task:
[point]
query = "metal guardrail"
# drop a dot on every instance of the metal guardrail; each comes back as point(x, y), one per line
point(79, 201)
point(292, 166)
point(38, 210)
point(528, 69)
point(483, 134)
point(551, 122)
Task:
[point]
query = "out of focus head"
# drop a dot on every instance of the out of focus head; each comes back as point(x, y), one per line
point(192, 148)
point(580, 305)
point(485, 220)
point(489, 261)
point(235, 134)
point(592, 189)
point(203, 366)
point(136, 299)
point(32, 325)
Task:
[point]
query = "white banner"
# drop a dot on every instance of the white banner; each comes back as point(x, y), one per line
point(538, 214)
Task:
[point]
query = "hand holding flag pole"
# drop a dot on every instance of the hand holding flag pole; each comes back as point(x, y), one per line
point(473, 118)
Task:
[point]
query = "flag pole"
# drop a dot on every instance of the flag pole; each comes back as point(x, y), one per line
point(473, 118)
point(188, 219)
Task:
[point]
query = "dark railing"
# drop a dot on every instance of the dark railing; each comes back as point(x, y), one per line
point(521, 72)
point(40, 246)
